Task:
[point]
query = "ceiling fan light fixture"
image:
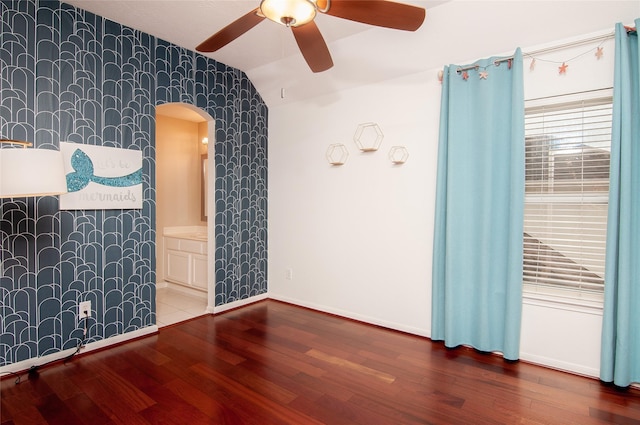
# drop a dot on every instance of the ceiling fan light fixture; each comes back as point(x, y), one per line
point(290, 13)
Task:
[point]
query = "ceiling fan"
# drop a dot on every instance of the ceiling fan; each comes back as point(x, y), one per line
point(299, 16)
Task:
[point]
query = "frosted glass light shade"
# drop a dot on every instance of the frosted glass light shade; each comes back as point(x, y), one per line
point(31, 172)
point(289, 12)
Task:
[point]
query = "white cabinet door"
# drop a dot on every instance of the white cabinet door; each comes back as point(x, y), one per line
point(199, 271)
point(178, 267)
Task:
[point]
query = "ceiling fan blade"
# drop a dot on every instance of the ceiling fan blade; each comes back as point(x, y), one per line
point(313, 47)
point(232, 31)
point(381, 13)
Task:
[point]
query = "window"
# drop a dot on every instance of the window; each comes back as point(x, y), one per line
point(567, 150)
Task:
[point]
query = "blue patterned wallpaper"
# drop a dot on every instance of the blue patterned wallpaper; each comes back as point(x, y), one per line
point(68, 75)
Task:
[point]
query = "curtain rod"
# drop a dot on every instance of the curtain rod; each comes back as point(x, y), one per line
point(545, 50)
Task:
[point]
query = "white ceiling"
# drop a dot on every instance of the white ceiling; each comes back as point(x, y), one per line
point(454, 31)
point(187, 23)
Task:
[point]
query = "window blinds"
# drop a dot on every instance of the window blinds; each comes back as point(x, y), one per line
point(567, 150)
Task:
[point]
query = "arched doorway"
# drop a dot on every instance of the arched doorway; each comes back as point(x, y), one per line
point(184, 206)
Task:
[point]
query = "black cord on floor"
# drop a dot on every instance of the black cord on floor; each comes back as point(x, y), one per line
point(16, 374)
point(34, 369)
point(81, 344)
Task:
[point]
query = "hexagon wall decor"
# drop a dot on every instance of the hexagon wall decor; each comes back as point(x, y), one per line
point(398, 154)
point(337, 154)
point(368, 137)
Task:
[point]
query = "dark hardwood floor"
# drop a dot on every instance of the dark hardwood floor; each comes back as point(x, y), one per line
point(273, 363)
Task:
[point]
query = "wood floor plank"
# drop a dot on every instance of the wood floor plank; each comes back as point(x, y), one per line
point(182, 411)
point(86, 410)
point(108, 399)
point(286, 381)
point(28, 416)
point(271, 407)
point(271, 363)
point(617, 418)
point(325, 386)
point(291, 362)
point(208, 405)
point(354, 367)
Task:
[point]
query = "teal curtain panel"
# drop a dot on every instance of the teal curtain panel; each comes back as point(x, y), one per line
point(477, 252)
point(620, 358)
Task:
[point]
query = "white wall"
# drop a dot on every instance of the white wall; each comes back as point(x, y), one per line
point(358, 237)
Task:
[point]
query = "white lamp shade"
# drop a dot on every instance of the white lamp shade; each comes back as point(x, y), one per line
point(31, 172)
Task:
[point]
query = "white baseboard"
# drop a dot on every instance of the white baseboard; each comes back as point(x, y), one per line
point(361, 318)
point(38, 361)
point(531, 358)
point(25, 365)
point(560, 365)
point(236, 304)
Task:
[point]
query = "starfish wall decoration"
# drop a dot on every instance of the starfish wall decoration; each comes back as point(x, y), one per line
point(599, 52)
point(562, 69)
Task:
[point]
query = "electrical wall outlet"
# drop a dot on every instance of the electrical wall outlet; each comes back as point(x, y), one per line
point(289, 275)
point(84, 306)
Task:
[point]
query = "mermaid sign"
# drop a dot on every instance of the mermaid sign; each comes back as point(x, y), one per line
point(100, 178)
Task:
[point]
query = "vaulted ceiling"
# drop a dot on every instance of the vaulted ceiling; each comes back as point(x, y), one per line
point(189, 22)
point(454, 30)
